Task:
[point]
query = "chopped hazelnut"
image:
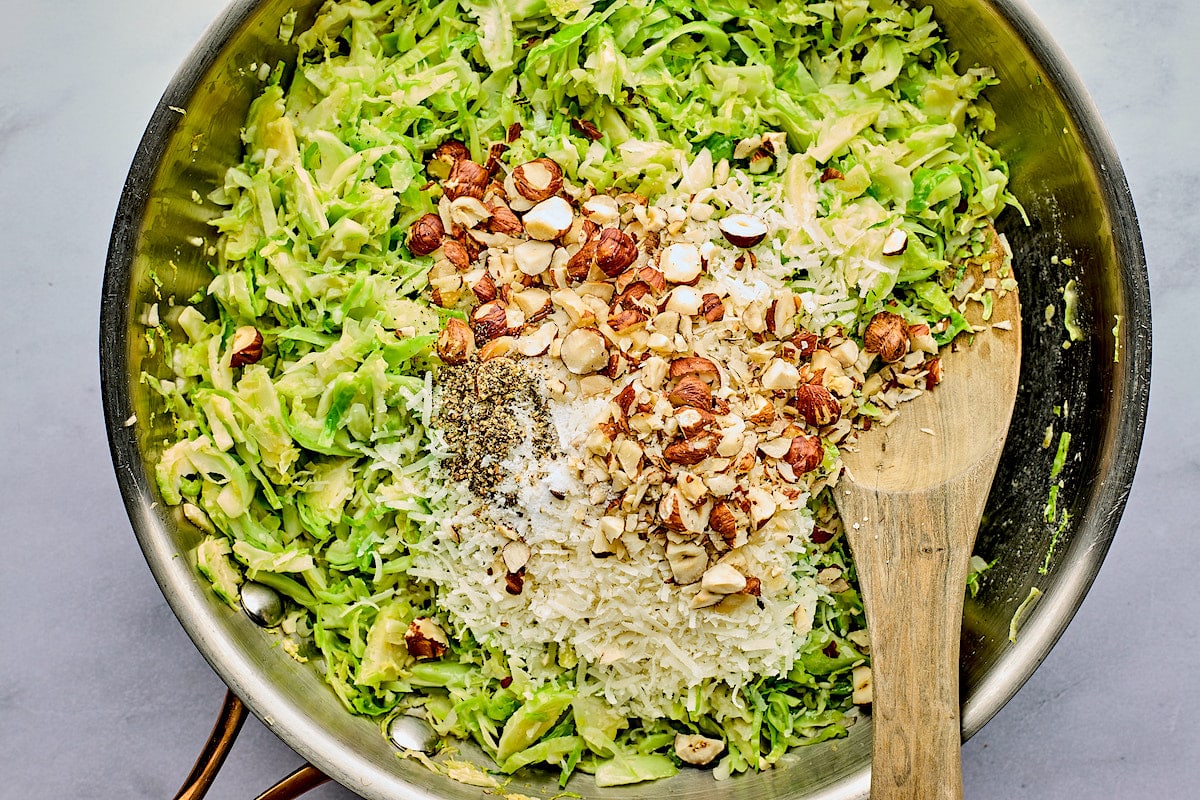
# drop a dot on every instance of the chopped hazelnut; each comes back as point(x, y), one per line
point(515, 555)
point(746, 147)
point(468, 211)
point(775, 448)
point(687, 561)
point(538, 180)
point(691, 391)
point(681, 263)
point(653, 277)
point(805, 343)
point(670, 510)
point(584, 351)
point(887, 334)
point(761, 411)
point(629, 455)
point(934, 376)
point(860, 678)
point(602, 210)
point(846, 353)
point(721, 484)
point(246, 347)
point(611, 527)
point(921, 339)
point(549, 219)
point(489, 320)
point(500, 346)
point(503, 220)
point(593, 385)
point(533, 257)
point(723, 578)
point(495, 153)
point(654, 372)
point(896, 242)
point(580, 264)
point(514, 582)
point(425, 235)
point(468, 240)
point(743, 230)
point(780, 375)
point(627, 320)
point(781, 315)
point(466, 179)
point(538, 342)
point(691, 487)
point(712, 308)
point(762, 505)
point(632, 293)
point(602, 547)
point(692, 420)
point(754, 316)
point(455, 342)
point(805, 454)
point(692, 450)
point(685, 300)
point(514, 318)
point(625, 398)
point(722, 519)
point(456, 253)
point(615, 251)
point(586, 129)
point(760, 162)
point(694, 365)
point(705, 598)
point(425, 639)
point(445, 296)
point(482, 285)
point(534, 302)
point(815, 403)
point(447, 154)
point(582, 230)
point(570, 302)
point(840, 385)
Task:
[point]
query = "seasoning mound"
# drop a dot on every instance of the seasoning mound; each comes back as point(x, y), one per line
point(485, 410)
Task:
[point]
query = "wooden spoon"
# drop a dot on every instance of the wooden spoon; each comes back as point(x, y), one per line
point(911, 499)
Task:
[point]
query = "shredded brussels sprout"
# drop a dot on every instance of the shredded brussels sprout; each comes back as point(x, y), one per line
point(312, 464)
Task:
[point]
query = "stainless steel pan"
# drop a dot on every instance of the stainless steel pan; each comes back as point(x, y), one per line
point(1082, 226)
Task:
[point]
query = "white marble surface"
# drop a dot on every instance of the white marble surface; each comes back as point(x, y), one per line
point(101, 693)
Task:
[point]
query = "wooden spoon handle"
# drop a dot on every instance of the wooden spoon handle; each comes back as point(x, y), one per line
point(914, 550)
point(915, 675)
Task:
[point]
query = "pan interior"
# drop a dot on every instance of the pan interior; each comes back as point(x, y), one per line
point(1081, 226)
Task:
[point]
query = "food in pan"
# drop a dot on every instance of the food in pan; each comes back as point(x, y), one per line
point(534, 334)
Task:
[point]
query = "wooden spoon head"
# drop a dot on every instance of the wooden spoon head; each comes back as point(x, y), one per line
point(911, 501)
point(954, 426)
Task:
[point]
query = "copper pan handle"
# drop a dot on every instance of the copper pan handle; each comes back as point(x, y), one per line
point(299, 782)
point(224, 733)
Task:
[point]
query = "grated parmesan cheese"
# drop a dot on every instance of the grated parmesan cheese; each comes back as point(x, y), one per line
point(637, 635)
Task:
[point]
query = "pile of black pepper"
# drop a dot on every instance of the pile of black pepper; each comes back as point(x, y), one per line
point(485, 410)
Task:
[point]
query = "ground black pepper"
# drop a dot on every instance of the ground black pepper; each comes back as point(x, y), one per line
point(486, 410)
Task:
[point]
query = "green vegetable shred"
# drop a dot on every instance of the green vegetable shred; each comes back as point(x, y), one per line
point(310, 466)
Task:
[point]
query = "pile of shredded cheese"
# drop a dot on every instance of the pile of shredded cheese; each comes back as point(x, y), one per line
point(623, 618)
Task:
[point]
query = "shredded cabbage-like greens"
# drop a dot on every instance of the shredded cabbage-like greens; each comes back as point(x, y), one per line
point(310, 468)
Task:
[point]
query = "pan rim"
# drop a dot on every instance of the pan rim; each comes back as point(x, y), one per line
point(314, 743)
